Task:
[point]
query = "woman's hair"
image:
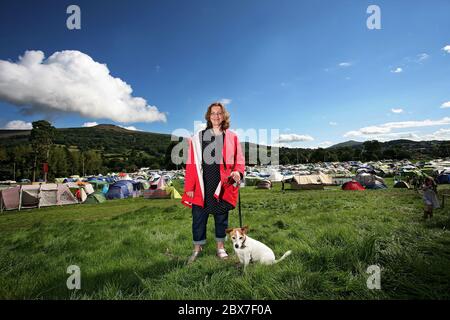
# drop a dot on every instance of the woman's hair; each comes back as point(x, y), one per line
point(226, 116)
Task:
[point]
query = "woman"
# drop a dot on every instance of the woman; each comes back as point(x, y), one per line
point(430, 197)
point(214, 167)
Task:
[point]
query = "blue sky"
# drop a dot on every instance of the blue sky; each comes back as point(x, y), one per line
point(311, 69)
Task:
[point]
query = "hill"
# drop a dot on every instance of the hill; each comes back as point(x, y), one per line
point(350, 143)
point(108, 148)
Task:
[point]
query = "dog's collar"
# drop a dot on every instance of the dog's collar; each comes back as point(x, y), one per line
point(243, 246)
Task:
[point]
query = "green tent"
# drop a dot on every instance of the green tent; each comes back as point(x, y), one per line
point(173, 192)
point(96, 197)
point(98, 184)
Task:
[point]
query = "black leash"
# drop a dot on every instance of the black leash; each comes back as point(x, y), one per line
point(240, 214)
point(238, 185)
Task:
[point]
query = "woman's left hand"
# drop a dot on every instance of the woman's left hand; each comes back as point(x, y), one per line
point(236, 176)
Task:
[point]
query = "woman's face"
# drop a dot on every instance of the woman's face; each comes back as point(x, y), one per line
point(216, 116)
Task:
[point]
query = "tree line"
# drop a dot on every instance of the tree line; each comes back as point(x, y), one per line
point(90, 151)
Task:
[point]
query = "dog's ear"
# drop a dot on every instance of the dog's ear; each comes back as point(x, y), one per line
point(228, 230)
point(244, 230)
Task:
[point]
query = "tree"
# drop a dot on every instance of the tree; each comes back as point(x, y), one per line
point(371, 150)
point(345, 154)
point(58, 163)
point(318, 155)
point(73, 159)
point(41, 138)
point(93, 162)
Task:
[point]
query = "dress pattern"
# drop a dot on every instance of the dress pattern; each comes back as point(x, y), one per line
point(211, 171)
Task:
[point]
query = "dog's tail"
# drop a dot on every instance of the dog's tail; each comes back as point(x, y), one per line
point(283, 256)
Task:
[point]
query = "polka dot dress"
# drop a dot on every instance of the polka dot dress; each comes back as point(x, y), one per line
point(211, 172)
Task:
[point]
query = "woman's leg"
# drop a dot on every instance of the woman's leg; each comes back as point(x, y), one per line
point(199, 221)
point(221, 224)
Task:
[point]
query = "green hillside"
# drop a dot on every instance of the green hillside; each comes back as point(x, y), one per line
point(108, 148)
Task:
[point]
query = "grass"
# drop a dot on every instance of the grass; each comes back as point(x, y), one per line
point(137, 249)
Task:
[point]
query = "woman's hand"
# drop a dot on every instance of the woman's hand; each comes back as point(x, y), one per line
point(190, 194)
point(236, 176)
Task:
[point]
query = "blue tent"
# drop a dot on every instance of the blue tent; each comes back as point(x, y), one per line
point(120, 190)
point(443, 179)
point(376, 185)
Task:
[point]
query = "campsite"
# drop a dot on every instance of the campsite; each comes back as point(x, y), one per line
point(309, 140)
point(136, 248)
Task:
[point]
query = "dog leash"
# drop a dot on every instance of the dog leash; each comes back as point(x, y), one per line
point(238, 184)
point(240, 214)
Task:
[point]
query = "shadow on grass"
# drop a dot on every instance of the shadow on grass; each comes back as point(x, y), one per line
point(118, 283)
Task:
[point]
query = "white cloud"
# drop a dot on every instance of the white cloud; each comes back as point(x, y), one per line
point(199, 125)
point(225, 101)
point(332, 123)
point(325, 144)
point(441, 134)
point(446, 48)
point(423, 56)
point(387, 127)
point(398, 110)
point(445, 105)
point(288, 138)
point(345, 64)
point(132, 128)
point(18, 125)
point(397, 70)
point(71, 81)
point(90, 124)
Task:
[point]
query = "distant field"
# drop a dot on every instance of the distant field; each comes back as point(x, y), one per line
point(137, 249)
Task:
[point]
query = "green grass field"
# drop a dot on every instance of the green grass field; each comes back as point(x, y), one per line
point(137, 249)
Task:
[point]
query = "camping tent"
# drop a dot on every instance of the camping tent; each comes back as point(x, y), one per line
point(120, 190)
point(376, 185)
point(10, 198)
point(311, 182)
point(352, 185)
point(173, 192)
point(33, 196)
point(96, 197)
point(443, 179)
point(275, 176)
point(99, 185)
point(252, 181)
point(367, 179)
point(161, 190)
point(80, 189)
point(401, 184)
point(264, 184)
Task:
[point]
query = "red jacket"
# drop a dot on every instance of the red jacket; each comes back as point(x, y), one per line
point(234, 161)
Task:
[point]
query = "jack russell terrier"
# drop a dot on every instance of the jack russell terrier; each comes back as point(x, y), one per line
point(248, 249)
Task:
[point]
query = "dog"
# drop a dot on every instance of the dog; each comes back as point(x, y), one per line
point(248, 249)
